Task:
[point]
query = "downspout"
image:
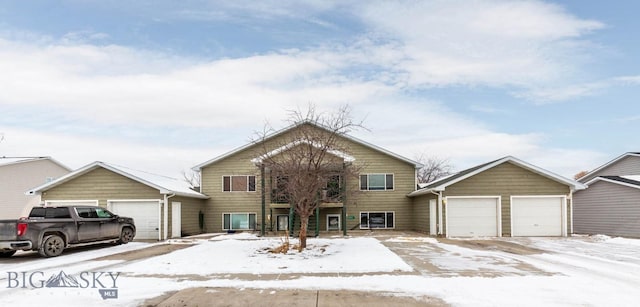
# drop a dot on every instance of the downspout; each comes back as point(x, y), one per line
point(570, 211)
point(263, 200)
point(343, 190)
point(165, 225)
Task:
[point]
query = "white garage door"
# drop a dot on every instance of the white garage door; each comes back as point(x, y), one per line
point(145, 215)
point(472, 217)
point(537, 216)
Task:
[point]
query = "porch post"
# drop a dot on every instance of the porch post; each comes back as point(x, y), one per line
point(264, 200)
point(317, 221)
point(291, 215)
point(344, 199)
point(271, 220)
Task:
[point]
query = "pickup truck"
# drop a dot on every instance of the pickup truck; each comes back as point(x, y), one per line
point(49, 230)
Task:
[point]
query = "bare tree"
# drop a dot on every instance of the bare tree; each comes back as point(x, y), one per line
point(192, 178)
point(308, 158)
point(434, 168)
point(580, 175)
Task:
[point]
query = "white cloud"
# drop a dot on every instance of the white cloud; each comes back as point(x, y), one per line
point(75, 151)
point(565, 93)
point(411, 45)
point(492, 43)
point(547, 95)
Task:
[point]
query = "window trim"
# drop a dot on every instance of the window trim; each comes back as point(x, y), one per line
point(240, 213)
point(248, 181)
point(385, 219)
point(393, 182)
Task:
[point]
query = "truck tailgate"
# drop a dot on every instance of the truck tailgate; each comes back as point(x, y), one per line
point(8, 230)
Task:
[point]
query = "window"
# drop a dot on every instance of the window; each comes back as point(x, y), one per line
point(238, 221)
point(93, 213)
point(239, 183)
point(103, 213)
point(380, 220)
point(376, 182)
point(54, 213)
point(333, 188)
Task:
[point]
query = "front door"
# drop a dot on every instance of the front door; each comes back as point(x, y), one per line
point(176, 219)
point(432, 217)
point(282, 222)
point(333, 221)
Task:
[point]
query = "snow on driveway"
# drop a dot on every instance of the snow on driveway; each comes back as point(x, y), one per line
point(589, 271)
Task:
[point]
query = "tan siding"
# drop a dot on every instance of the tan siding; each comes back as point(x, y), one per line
point(374, 162)
point(506, 180)
point(370, 160)
point(421, 213)
point(189, 212)
point(103, 185)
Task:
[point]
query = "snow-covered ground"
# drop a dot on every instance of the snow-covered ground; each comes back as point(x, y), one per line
point(584, 271)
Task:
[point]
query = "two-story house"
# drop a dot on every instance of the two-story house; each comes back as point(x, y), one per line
point(245, 195)
point(611, 203)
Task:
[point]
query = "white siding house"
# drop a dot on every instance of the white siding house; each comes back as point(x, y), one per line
point(17, 176)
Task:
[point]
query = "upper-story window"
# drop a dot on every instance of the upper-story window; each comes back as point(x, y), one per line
point(376, 182)
point(239, 183)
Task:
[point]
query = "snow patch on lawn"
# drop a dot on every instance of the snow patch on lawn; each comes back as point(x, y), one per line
point(250, 255)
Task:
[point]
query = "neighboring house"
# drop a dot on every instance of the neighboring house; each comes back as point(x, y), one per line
point(505, 197)
point(234, 180)
point(625, 164)
point(611, 203)
point(17, 175)
point(162, 207)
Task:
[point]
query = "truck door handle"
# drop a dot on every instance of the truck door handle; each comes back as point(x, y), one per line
point(80, 223)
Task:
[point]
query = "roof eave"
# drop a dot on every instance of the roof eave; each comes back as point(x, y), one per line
point(603, 166)
point(199, 167)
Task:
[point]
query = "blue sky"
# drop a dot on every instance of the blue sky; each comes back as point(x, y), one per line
point(165, 85)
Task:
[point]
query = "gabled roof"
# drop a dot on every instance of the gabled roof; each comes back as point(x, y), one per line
point(443, 183)
point(164, 184)
point(344, 156)
point(291, 127)
point(589, 174)
point(17, 160)
point(629, 181)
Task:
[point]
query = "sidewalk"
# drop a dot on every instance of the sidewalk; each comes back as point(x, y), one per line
point(279, 297)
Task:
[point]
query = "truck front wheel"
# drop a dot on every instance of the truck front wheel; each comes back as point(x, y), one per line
point(7, 254)
point(126, 235)
point(52, 246)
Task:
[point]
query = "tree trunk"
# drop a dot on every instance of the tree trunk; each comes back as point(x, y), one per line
point(304, 221)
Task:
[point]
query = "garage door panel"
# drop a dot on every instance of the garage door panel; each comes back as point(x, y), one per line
point(144, 214)
point(471, 217)
point(537, 216)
